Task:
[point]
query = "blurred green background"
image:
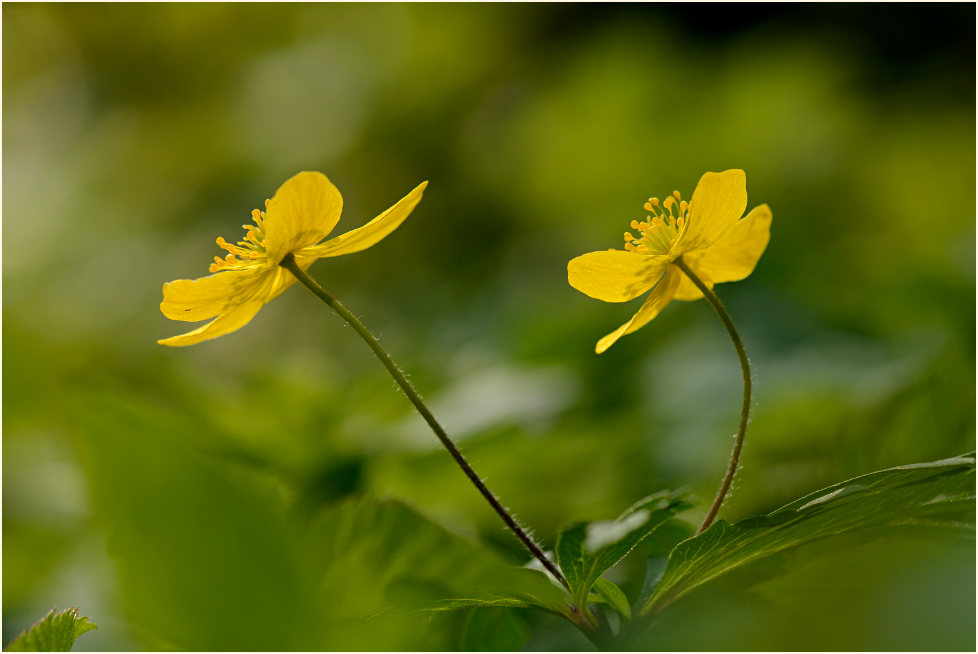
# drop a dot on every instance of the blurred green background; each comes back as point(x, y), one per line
point(173, 494)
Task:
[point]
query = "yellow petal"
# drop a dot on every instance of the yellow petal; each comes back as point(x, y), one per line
point(282, 279)
point(687, 291)
point(734, 256)
point(303, 211)
point(234, 319)
point(717, 203)
point(615, 275)
point(660, 296)
point(362, 238)
point(193, 300)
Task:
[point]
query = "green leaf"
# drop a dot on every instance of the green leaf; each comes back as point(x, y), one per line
point(608, 593)
point(205, 554)
point(489, 601)
point(394, 580)
point(926, 495)
point(57, 632)
point(373, 551)
point(193, 535)
point(495, 630)
point(585, 550)
point(655, 567)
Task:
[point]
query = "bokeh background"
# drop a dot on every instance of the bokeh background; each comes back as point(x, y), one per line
point(149, 485)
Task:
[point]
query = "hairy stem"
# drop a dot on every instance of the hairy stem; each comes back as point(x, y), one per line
point(745, 408)
point(289, 264)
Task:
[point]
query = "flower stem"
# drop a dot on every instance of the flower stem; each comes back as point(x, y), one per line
point(289, 264)
point(745, 408)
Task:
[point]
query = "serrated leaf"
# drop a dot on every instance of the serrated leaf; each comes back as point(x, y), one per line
point(57, 632)
point(938, 494)
point(585, 550)
point(607, 592)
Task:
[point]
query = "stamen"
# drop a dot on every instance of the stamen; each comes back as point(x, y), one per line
point(251, 249)
point(662, 228)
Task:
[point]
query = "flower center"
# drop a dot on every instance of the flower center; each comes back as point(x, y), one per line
point(662, 228)
point(249, 253)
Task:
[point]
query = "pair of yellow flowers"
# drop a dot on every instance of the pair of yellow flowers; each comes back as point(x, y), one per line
point(707, 232)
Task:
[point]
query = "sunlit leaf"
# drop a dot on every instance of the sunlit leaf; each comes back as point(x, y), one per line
point(57, 632)
point(926, 495)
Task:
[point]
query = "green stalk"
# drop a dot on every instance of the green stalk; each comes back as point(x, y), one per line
point(289, 264)
point(745, 408)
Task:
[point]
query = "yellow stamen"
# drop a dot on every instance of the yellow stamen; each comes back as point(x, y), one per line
point(251, 249)
point(661, 230)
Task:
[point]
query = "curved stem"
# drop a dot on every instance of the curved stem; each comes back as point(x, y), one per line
point(745, 409)
point(289, 264)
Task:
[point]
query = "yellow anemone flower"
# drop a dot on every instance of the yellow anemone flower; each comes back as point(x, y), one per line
point(301, 213)
point(707, 232)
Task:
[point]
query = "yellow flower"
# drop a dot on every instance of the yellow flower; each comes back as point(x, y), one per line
point(303, 211)
point(706, 232)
